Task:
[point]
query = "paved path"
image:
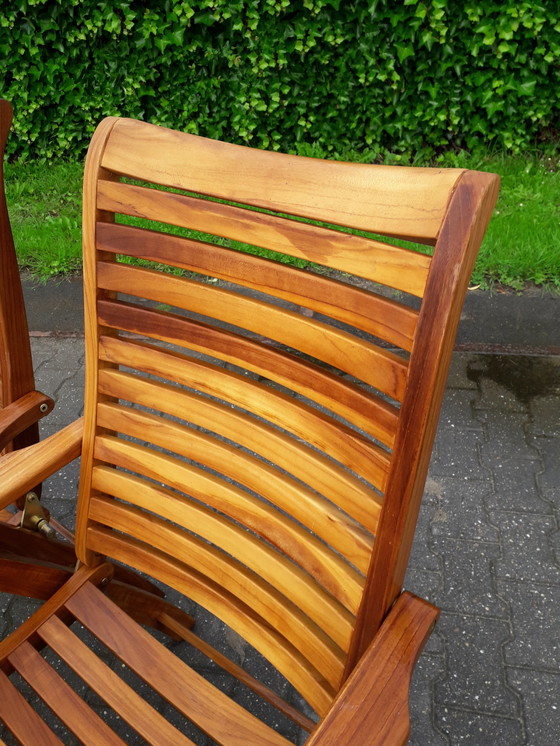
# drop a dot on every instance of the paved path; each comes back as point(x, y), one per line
point(487, 548)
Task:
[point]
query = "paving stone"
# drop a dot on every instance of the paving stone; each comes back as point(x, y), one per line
point(541, 696)
point(467, 577)
point(535, 611)
point(527, 547)
point(461, 511)
point(545, 411)
point(548, 480)
point(456, 454)
point(475, 677)
point(422, 729)
point(469, 728)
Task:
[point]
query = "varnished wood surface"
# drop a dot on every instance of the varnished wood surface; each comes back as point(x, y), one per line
point(383, 199)
point(22, 469)
point(250, 439)
point(21, 414)
point(372, 707)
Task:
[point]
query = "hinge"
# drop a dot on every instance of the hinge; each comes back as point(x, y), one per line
point(34, 517)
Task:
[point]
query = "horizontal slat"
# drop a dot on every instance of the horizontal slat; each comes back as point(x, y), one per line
point(326, 567)
point(240, 582)
point(367, 411)
point(381, 262)
point(122, 698)
point(381, 199)
point(187, 690)
point(375, 314)
point(62, 699)
point(243, 620)
point(325, 520)
point(21, 718)
point(381, 368)
point(315, 427)
point(337, 484)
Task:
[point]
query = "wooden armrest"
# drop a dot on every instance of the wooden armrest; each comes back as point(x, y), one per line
point(20, 414)
point(371, 709)
point(21, 470)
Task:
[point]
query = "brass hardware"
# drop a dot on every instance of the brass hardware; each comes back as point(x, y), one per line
point(34, 518)
point(44, 408)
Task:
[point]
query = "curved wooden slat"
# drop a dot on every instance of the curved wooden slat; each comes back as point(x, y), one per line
point(237, 580)
point(22, 719)
point(367, 411)
point(381, 262)
point(305, 506)
point(381, 199)
point(309, 424)
point(337, 484)
point(268, 641)
point(381, 368)
point(327, 568)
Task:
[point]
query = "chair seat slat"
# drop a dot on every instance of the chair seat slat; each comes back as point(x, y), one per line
point(268, 641)
point(62, 699)
point(22, 719)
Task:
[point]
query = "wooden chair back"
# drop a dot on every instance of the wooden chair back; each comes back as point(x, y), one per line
point(257, 435)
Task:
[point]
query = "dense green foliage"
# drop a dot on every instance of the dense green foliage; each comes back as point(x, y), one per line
point(411, 77)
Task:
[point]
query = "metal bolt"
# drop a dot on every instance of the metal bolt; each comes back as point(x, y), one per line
point(43, 408)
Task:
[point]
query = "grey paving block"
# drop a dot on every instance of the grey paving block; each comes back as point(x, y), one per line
point(456, 454)
point(548, 480)
point(461, 512)
point(468, 586)
point(541, 696)
point(535, 612)
point(423, 730)
point(475, 673)
point(527, 547)
point(468, 728)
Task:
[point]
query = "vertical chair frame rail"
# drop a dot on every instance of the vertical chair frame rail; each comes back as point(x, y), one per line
point(462, 230)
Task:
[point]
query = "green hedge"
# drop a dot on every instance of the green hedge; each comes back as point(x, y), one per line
point(410, 77)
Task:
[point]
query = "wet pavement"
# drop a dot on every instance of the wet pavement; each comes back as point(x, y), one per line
point(487, 548)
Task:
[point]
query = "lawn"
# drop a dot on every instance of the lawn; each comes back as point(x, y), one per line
point(522, 244)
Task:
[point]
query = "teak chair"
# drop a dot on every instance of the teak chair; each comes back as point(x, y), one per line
point(30, 564)
point(255, 436)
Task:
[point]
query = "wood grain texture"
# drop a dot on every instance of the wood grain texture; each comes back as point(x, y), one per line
point(372, 707)
point(23, 469)
point(304, 505)
point(338, 485)
point(375, 260)
point(367, 411)
point(81, 720)
point(313, 425)
point(371, 312)
point(22, 719)
point(382, 199)
point(329, 570)
point(377, 366)
point(458, 243)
